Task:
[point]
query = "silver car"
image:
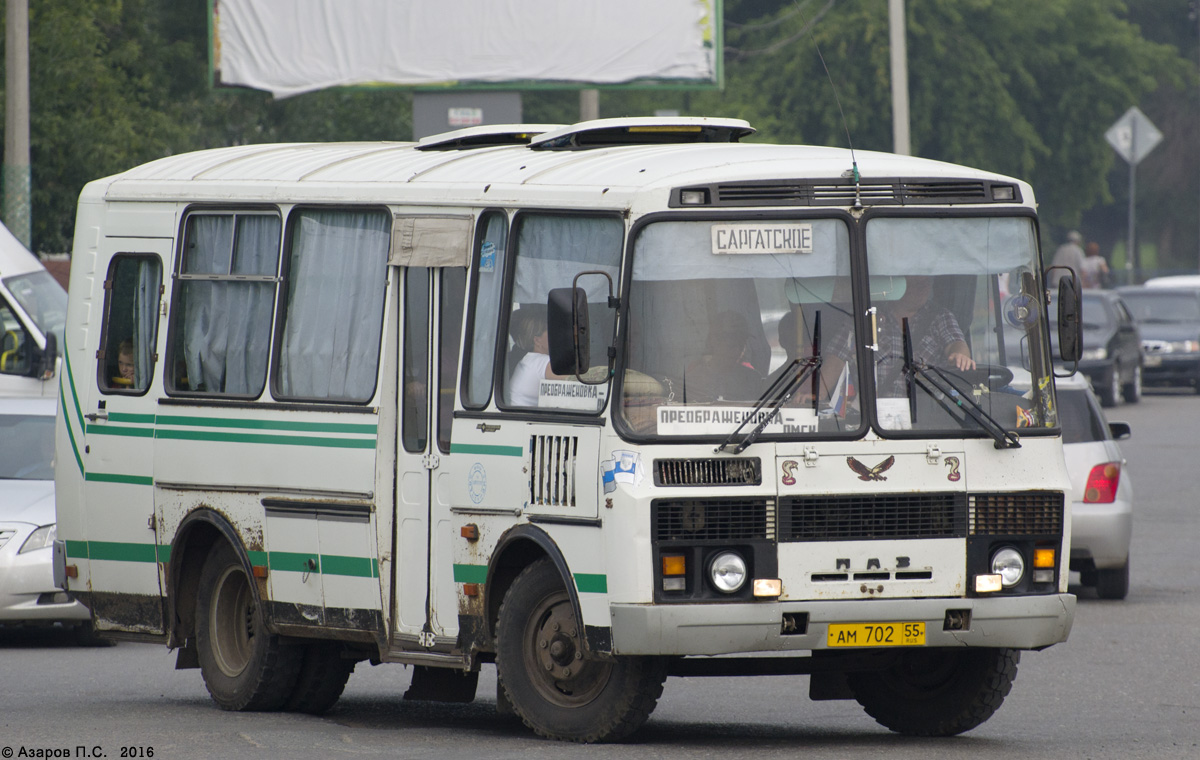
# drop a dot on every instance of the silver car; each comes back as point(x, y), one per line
point(1101, 491)
point(27, 521)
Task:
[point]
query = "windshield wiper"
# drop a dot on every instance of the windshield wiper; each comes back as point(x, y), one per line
point(780, 392)
point(934, 381)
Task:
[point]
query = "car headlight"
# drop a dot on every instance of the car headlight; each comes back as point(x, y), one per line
point(1184, 346)
point(727, 572)
point(1009, 565)
point(1093, 354)
point(40, 538)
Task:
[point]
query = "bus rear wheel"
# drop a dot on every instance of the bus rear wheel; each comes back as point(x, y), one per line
point(245, 667)
point(937, 692)
point(553, 684)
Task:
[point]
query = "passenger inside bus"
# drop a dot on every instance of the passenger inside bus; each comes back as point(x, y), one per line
point(724, 373)
point(529, 334)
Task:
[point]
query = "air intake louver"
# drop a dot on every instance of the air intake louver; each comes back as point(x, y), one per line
point(713, 519)
point(552, 470)
point(865, 518)
point(1030, 513)
point(708, 472)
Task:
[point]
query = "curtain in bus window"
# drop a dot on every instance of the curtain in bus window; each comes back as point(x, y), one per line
point(145, 310)
point(227, 323)
point(334, 317)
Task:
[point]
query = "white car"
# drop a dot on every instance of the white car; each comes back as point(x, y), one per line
point(1101, 491)
point(27, 520)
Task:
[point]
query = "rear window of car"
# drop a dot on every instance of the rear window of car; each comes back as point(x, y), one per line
point(1081, 419)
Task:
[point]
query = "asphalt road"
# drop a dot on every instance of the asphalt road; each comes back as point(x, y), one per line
point(1124, 686)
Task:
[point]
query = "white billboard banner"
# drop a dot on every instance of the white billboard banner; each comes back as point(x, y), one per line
point(288, 47)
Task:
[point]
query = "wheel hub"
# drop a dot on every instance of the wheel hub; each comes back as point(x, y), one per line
point(554, 650)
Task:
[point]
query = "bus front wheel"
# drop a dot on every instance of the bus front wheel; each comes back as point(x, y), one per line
point(245, 667)
point(937, 692)
point(556, 688)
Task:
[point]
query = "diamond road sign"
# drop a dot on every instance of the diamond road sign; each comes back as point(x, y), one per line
point(1133, 135)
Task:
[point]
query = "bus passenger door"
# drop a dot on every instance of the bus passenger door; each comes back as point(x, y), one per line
point(118, 447)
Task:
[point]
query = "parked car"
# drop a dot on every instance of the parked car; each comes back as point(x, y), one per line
point(1174, 281)
point(1169, 321)
point(1112, 348)
point(1101, 491)
point(27, 520)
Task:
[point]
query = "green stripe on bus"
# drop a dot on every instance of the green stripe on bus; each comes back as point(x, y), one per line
point(295, 562)
point(282, 440)
point(77, 549)
point(138, 419)
point(257, 558)
point(589, 583)
point(111, 477)
point(164, 553)
point(357, 567)
point(62, 402)
point(470, 573)
point(95, 429)
point(71, 378)
point(475, 448)
point(122, 552)
point(302, 427)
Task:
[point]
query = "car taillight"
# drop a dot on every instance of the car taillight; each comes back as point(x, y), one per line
point(1102, 483)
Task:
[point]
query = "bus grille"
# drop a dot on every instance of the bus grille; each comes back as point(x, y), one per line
point(552, 470)
point(713, 519)
point(866, 518)
point(1023, 513)
point(708, 472)
point(844, 192)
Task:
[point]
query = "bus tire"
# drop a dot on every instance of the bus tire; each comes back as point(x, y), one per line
point(323, 676)
point(551, 682)
point(937, 692)
point(245, 667)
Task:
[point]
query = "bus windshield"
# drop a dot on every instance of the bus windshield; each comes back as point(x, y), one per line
point(753, 322)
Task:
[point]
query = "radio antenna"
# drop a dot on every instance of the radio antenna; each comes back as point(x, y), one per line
point(833, 88)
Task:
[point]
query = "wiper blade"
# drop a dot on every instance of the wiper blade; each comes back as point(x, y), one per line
point(780, 392)
point(937, 385)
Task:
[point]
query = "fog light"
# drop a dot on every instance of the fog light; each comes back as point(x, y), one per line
point(675, 584)
point(1009, 565)
point(988, 584)
point(727, 571)
point(768, 587)
point(1043, 576)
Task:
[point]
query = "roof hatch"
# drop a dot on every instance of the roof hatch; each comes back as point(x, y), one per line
point(486, 136)
point(642, 130)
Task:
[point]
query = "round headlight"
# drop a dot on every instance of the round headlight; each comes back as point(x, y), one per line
point(1009, 565)
point(727, 571)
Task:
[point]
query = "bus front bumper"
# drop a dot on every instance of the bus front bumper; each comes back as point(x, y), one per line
point(1027, 622)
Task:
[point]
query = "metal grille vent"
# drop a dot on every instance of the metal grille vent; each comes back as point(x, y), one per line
point(713, 519)
point(552, 470)
point(865, 518)
point(843, 193)
point(1025, 513)
point(708, 472)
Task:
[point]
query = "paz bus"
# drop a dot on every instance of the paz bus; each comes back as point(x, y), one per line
point(595, 404)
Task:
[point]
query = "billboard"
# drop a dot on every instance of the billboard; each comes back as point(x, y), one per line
point(288, 47)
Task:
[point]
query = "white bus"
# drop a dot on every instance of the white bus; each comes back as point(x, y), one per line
point(592, 403)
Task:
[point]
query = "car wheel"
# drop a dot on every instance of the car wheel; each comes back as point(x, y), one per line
point(1133, 389)
point(1113, 583)
point(1110, 392)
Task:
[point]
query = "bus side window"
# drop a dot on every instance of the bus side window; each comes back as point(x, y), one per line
point(130, 335)
point(224, 298)
point(14, 343)
point(415, 409)
point(480, 356)
point(454, 286)
point(332, 321)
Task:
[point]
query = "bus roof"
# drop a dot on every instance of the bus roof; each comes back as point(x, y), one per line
point(404, 172)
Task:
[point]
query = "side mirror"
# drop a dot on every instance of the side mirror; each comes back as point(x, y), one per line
point(1070, 319)
point(1120, 430)
point(49, 360)
point(567, 331)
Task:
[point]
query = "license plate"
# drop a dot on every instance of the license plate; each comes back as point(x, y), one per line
point(876, 635)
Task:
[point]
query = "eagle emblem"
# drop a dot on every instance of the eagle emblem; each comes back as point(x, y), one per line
point(870, 473)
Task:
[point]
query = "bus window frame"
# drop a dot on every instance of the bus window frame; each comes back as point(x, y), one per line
point(472, 304)
point(104, 384)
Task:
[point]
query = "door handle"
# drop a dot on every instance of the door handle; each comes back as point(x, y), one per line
point(96, 416)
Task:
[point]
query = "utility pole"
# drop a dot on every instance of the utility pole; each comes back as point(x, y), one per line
point(16, 172)
point(901, 142)
point(589, 104)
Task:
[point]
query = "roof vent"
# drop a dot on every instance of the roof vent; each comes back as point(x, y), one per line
point(643, 130)
point(487, 136)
